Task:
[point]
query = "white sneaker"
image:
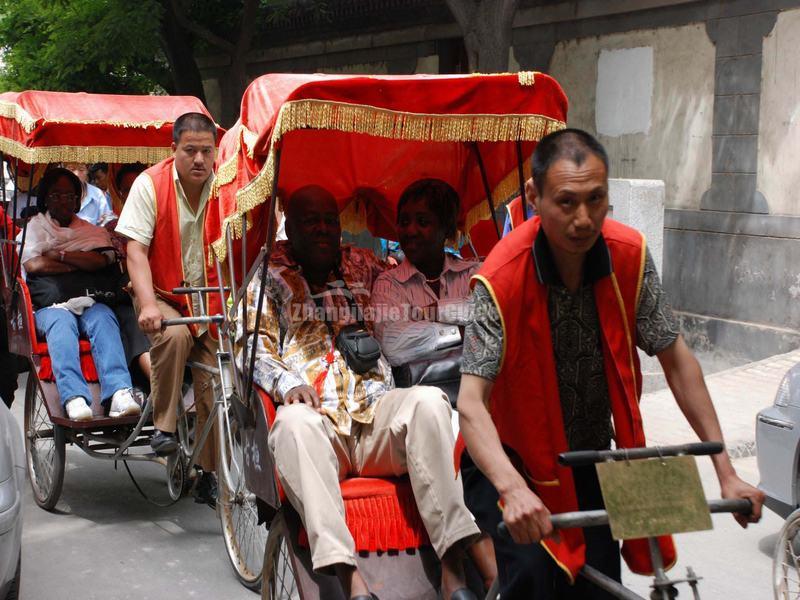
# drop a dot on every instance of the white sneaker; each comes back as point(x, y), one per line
point(78, 409)
point(123, 404)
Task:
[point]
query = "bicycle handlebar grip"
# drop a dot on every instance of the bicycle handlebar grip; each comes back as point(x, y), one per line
point(194, 290)
point(192, 320)
point(742, 506)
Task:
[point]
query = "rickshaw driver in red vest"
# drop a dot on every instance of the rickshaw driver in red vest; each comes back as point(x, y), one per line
point(163, 218)
point(549, 365)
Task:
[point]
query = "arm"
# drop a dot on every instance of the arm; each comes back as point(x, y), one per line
point(150, 316)
point(44, 265)
point(685, 379)
point(658, 334)
point(82, 261)
point(270, 372)
point(525, 515)
point(403, 340)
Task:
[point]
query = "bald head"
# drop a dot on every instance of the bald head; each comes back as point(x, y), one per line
point(313, 229)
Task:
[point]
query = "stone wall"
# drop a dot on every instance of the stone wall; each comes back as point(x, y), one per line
point(702, 94)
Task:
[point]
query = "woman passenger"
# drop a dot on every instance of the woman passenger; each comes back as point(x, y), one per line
point(411, 301)
point(431, 285)
point(58, 243)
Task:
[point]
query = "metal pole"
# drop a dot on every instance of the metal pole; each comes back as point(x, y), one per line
point(486, 187)
point(262, 288)
point(660, 583)
point(521, 176)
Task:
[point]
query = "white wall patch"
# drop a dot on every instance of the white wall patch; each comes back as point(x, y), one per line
point(624, 91)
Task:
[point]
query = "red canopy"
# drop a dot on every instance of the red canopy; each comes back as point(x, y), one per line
point(365, 138)
point(47, 127)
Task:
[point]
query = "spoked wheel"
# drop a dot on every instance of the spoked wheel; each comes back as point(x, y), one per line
point(44, 447)
point(245, 539)
point(786, 562)
point(279, 573)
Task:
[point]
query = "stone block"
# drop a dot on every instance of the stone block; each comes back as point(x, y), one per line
point(738, 75)
point(736, 114)
point(735, 154)
point(725, 35)
point(754, 279)
point(639, 203)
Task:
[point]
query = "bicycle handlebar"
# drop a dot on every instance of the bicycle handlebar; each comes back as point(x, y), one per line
point(581, 458)
point(192, 320)
point(595, 518)
point(194, 290)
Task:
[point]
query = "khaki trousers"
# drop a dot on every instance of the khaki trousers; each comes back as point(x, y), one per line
point(172, 348)
point(410, 433)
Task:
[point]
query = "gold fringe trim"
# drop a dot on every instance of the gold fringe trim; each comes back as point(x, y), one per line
point(226, 172)
point(88, 154)
point(250, 138)
point(11, 110)
point(381, 122)
point(526, 78)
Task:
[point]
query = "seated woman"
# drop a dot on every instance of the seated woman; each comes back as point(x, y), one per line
point(428, 288)
point(431, 285)
point(57, 243)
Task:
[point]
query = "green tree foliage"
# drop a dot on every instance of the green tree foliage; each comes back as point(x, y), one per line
point(109, 46)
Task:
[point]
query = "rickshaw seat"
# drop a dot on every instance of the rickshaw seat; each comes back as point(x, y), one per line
point(39, 346)
point(381, 512)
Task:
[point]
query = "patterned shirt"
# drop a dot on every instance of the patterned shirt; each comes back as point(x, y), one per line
point(295, 338)
point(577, 348)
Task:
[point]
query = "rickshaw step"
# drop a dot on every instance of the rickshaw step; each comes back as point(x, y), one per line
point(96, 422)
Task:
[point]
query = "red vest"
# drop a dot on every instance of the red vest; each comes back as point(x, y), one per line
point(165, 254)
point(525, 405)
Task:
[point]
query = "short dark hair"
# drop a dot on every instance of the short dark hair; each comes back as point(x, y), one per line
point(571, 144)
point(441, 198)
point(97, 167)
point(49, 180)
point(193, 121)
point(125, 170)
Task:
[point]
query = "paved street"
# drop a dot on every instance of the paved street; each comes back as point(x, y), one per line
point(106, 542)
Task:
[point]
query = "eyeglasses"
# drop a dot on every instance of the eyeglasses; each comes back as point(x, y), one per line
point(66, 196)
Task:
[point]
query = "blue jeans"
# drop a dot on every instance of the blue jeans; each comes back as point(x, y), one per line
point(98, 323)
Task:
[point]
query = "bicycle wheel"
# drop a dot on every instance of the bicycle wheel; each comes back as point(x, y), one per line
point(245, 539)
point(44, 447)
point(279, 576)
point(786, 561)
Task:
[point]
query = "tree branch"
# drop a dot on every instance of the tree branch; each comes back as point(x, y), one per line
point(200, 31)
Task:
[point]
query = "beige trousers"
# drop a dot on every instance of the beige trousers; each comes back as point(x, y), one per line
point(410, 433)
point(171, 348)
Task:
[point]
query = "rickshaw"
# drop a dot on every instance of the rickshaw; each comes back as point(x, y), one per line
point(365, 138)
point(38, 128)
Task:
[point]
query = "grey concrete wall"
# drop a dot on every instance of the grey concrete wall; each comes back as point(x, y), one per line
point(779, 118)
point(671, 140)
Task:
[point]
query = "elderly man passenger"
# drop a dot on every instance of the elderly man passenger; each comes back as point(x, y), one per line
point(335, 422)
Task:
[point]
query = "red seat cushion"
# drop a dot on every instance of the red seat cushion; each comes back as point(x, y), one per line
point(381, 512)
point(46, 365)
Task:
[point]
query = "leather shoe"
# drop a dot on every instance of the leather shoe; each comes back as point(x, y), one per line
point(164, 443)
point(463, 594)
point(365, 597)
point(205, 492)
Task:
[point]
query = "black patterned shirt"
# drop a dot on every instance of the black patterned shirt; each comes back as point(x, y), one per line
point(575, 329)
